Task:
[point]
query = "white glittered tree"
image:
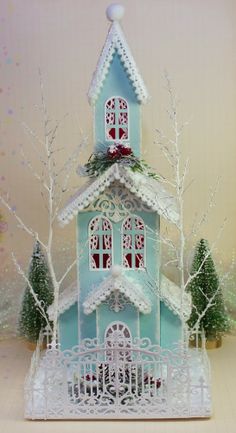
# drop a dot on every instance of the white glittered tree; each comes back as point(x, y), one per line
point(54, 185)
point(171, 149)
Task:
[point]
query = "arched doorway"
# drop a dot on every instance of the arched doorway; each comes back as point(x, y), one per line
point(118, 339)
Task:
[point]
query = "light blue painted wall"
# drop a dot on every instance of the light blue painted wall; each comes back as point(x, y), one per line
point(160, 322)
point(117, 83)
point(170, 327)
point(68, 328)
point(149, 324)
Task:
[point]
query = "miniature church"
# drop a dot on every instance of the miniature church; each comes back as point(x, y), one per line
point(121, 350)
point(119, 288)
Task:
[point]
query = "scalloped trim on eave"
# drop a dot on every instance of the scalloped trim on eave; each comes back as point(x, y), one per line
point(116, 41)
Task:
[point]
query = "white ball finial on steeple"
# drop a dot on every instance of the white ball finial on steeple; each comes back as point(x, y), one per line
point(115, 12)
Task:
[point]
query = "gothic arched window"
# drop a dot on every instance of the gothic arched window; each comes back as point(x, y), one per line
point(133, 242)
point(100, 243)
point(116, 119)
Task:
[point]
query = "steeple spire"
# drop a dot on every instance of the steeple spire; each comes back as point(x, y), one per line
point(117, 90)
point(116, 42)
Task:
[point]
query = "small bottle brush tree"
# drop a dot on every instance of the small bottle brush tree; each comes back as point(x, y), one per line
point(31, 320)
point(208, 310)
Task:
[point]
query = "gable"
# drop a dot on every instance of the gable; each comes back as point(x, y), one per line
point(115, 42)
point(116, 202)
point(120, 284)
point(147, 190)
point(117, 82)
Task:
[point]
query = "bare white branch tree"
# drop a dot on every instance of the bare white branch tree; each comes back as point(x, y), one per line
point(53, 186)
point(171, 149)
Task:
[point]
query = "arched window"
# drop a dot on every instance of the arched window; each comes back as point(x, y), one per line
point(116, 119)
point(133, 241)
point(118, 336)
point(100, 243)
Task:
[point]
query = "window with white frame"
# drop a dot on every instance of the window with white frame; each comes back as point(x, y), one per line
point(118, 335)
point(100, 243)
point(133, 242)
point(116, 119)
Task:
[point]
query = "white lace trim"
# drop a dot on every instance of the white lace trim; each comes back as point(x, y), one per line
point(117, 202)
point(116, 41)
point(169, 294)
point(147, 189)
point(121, 284)
point(66, 299)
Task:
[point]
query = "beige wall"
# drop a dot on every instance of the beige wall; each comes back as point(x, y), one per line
point(194, 40)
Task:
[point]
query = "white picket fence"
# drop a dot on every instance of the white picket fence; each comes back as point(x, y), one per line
point(118, 379)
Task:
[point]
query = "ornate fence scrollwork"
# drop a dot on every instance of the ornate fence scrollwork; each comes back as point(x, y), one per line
point(110, 381)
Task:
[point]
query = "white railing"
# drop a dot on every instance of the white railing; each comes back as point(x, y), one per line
point(197, 338)
point(47, 334)
point(138, 380)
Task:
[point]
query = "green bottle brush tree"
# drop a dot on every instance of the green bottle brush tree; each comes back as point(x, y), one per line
point(31, 321)
point(207, 295)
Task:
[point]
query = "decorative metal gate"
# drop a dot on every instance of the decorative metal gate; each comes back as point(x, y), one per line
point(116, 381)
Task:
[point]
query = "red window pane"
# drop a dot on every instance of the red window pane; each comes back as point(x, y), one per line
point(111, 134)
point(127, 260)
point(106, 261)
point(139, 262)
point(123, 133)
point(95, 261)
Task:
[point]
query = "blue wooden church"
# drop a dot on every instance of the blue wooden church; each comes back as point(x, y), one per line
point(119, 292)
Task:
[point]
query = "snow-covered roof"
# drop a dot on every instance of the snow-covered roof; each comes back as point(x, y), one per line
point(147, 189)
point(67, 298)
point(122, 284)
point(171, 296)
point(169, 293)
point(116, 42)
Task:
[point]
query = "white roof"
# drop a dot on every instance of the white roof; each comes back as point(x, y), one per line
point(67, 298)
point(147, 189)
point(171, 296)
point(116, 41)
point(122, 284)
point(169, 293)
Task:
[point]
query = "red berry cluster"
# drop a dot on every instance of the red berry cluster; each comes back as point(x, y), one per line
point(116, 151)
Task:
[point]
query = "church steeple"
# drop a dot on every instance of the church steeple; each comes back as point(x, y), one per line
point(117, 90)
